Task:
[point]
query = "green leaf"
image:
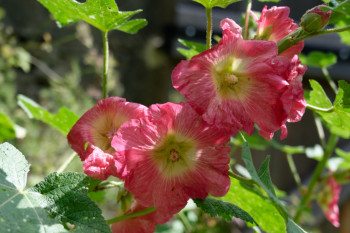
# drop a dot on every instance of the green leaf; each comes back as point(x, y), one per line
point(318, 59)
point(224, 209)
point(20, 210)
point(338, 118)
point(315, 152)
point(68, 200)
point(63, 121)
point(193, 48)
point(292, 227)
point(264, 175)
point(255, 204)
point(63, 196)
point(214, 3)
point(7, 130)
point(102, 14)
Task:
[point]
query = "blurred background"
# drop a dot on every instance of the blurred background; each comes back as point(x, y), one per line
point(62, 67)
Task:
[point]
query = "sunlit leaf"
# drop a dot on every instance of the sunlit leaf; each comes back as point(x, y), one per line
point(255, 204)
point(7, 130)
point(63, 121)
point(337, 119)
point(292, 227)
point(216, 3)
point(192, 49)
point(264, 175)
point(103, 14)
point(59, 198)
point(224, 209)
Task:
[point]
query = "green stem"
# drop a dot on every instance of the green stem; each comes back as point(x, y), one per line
point(320, 109)
point(241, 178)
point(249, 7)
point(107, 185)
point(65, 164)
point(299, 35)
point(132, 215)
point(329, 80)
point(209, 27)
point(105, 64)
point(316, 175)
point(185, 221)
point(320, 130)
point(294, 171)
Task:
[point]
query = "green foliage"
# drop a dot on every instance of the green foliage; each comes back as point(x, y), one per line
point(337, 118)
point(213, 3)
point(63, 196)
point(264, 175)
point(318, 59)
point(7, 130)
point(102, 14)
point(258, 206)
point(224, 209)
point(193, 48)
point(63, 121)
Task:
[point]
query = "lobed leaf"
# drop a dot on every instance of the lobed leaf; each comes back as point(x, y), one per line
point(193, 48)
point(64, 196)
point(215, 3)
point(224, 209)
point(318, 59)
point(7, 130)
point(338, 118)
point(63, 121)
point(102, 14)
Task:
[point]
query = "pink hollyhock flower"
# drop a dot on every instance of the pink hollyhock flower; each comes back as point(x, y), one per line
point(170, 156)
point(91, 136)
point(238, 83)
point(142, 224)
point(274, 24)
point(329, 201)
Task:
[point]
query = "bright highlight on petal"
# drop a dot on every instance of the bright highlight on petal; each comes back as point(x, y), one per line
point(91, 136)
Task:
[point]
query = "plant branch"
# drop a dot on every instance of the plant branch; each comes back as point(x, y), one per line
point(209, 26)
point(294, 171)
point(107, 185)
point(316, 175)
point(132, 215)
point(241, 178)
point(105, 64)
point(247, 16)
point(329, 80)
point(66, 163)
point(320, 109)
point(320, 130)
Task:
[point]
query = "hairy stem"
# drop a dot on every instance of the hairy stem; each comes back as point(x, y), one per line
point(241, 178)
point(320, 130)
point(209, 27)
point(329, 80)
point(132, 215)
point(316, 175)
point(105, 64)
point(247, 15)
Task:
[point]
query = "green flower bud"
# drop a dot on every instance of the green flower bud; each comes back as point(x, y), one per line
point(315, 19)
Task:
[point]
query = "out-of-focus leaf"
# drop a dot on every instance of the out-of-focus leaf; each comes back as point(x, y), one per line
point(214, 3)
point(337, 118)
point(7, 130)
point(102, 14)
point(318, 59)
point(315, 152)
point(256, 205)
point(224, 209)
point(63, 121)
point(63, 196)
point(193, 48)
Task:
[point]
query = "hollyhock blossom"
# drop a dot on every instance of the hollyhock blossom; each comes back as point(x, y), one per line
point(141, 224)
point(328, 200)
point(238, 83)
point(274, 24)
point(91, 136)
point(172, 155)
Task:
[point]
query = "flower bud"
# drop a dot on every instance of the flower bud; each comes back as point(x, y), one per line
point(315, 19)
